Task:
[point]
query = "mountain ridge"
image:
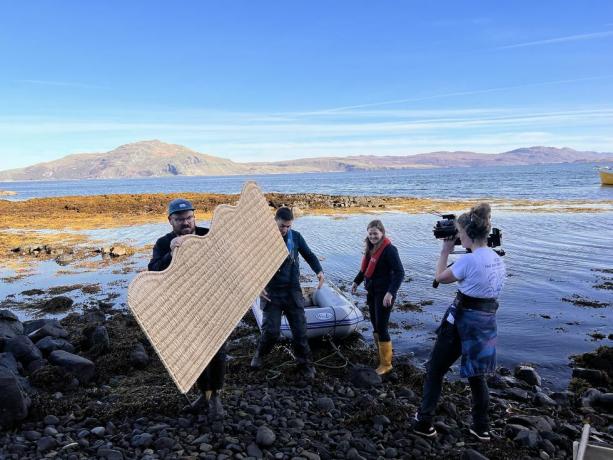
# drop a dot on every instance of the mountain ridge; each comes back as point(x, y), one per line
point(154, 158)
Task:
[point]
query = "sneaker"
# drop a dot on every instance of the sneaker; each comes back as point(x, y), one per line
point(424, 429)
point(256, 361)
point(481, 435)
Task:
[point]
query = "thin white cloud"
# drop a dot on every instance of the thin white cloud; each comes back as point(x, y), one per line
point(568, 38)
point(66, 84)
point(457, 93)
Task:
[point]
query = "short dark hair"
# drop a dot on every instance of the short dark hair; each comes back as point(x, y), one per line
point(284, 213)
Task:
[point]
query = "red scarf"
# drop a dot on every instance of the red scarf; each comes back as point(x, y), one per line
point(368, 266)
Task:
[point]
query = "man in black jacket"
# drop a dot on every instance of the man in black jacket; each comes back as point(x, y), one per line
point(181, 218)
point(284, 295)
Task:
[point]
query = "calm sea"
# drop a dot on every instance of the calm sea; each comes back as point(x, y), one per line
point(550, 256)
point(561, 182)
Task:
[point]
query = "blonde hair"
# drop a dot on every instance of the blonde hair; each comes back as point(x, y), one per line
point(476, 222)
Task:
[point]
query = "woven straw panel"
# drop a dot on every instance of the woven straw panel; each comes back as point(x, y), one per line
point(189, 310)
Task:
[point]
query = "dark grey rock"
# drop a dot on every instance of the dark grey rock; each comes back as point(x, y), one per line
point(539, 423)
point(48, 330)
point(541, 399)
point(51, 420)
point(98, 431)
point(49, 344)
point(390, 452)
point(143, 440)
point(254, 451)
point(50, 431)
point(265, 437)
point(23, 349)
point(14, 402)
point(527, 438)
point(528, 374)
point(381, 420)
point(10, 326)
point(365, 377)
point(562, 397)
point(325, 404)
point(46, 443)
point(8, 361)
point(32, 435)
point(605, 401)
point(590, 397)
point(164, 442)
point(109, 454)
point(82, 368)
point(31, 325)
point(59, 303)
point(517, 394)
point(139, 356)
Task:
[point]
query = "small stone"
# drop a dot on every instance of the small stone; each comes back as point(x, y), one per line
point(164, 443)
point(141, 440)
point(32, 435)
point(46, 443)
point(528, 375)
point(50, 431)
point(99, 431)
point(51, 420)
point(325, 404)
point(265, 437)
point(527, 438)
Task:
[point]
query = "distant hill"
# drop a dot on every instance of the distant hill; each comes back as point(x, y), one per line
point(155, 158)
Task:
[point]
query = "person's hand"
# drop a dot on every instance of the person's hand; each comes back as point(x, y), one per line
point(321, 278)
point(176, 242)
point(388, 300)
point(448, 245)
point(264, 295)
point(354, 288)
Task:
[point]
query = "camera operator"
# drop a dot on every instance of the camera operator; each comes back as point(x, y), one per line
point(468, 328)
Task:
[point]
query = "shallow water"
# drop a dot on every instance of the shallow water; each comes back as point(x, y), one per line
point(549, 256)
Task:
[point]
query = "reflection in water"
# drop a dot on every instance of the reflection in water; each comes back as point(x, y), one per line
point(549, 256)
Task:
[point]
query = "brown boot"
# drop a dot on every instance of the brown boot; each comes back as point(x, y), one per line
point(385, 358)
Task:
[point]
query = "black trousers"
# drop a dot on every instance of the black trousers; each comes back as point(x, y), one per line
point(447, 349)
point(291, 303)
point(379, 315)
point(213, 376)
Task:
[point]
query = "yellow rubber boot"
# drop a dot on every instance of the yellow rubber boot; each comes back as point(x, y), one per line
point(385, 358)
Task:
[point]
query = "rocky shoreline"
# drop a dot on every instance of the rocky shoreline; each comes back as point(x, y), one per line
point(90, 386)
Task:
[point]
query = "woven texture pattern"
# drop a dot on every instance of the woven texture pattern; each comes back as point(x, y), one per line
point(189, 310)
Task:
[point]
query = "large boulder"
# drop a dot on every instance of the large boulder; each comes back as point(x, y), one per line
point(365, 377)
point(595, 377)
point(48, 330)
point(23, 349)
point(10, 326)
point(14, 402)
point(82, 368)
point(8, 361)
point(31, 325)
point(49, 344)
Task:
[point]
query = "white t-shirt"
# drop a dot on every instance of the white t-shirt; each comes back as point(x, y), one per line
point(480, 273)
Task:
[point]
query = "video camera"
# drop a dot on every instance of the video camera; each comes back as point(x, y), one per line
point(446, 228)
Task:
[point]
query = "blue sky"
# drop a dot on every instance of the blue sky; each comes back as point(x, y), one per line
point(263, 80)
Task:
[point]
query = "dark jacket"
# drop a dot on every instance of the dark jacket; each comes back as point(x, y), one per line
point(288, 275)
point(161, 251)
point(388, 274)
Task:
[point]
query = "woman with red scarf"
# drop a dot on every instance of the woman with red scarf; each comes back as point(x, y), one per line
point(382, 273)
